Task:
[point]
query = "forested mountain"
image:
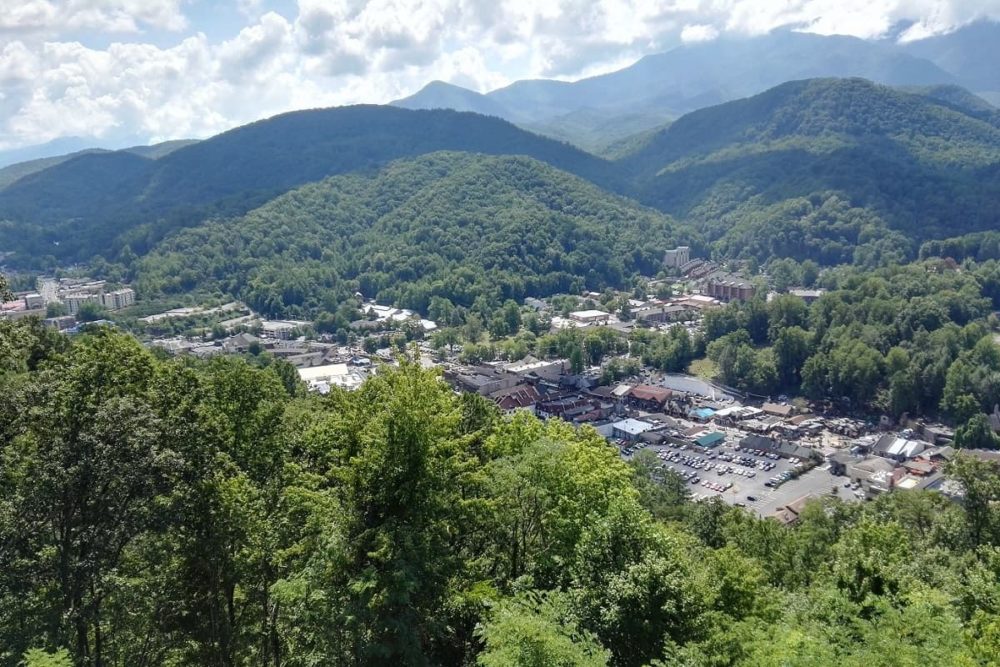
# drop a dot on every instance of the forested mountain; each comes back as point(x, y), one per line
point(815, 169)
point(82, 206)
point(473, 229)
point(14, 172)
point(177, 512)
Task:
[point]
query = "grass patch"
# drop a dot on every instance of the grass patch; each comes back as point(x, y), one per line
point(706, 369)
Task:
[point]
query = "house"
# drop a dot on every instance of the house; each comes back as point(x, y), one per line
point(522, 397)
point(630, 429)
point(839, 463)
point(792, 512)
point(897, 448)
point(648, 397)
point(778, 410)
point(807, 295)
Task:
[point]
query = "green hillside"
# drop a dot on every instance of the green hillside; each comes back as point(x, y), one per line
point(459, 226)
point(816, 168)
point(66, 211)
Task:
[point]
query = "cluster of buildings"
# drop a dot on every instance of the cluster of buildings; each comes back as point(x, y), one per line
point(712, 280)
point(73, 294)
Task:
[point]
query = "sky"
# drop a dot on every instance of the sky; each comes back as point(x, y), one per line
point(122, 71)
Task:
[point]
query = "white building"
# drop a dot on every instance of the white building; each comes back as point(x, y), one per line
point(73, 302)
point(676, 258)
point(590, 316)
point(118, 299)
point(321, 378)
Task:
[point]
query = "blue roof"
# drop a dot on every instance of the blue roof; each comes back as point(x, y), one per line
point(710, 439)
point(703, 413)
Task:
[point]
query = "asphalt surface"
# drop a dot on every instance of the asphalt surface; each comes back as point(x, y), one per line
point(744, 490)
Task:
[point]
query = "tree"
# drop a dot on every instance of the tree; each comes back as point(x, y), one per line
point(473, 329)
point(90, 311)
point(537, 631)
point(55, 309)
point(791, 350)
point(976, 433)
point(5, 293)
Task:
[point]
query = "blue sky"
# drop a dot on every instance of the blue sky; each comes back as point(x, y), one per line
point(122, 70)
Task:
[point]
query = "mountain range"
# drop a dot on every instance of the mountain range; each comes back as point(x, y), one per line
point(596, 112)
point(832, 170)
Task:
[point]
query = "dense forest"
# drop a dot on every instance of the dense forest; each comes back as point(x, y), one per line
point(915, 339)
point(813, 169)
point(475, 230)
point(171, 512)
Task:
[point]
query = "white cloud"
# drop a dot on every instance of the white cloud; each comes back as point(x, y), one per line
point(113, 16)
point(344, 51)
point(699, 32)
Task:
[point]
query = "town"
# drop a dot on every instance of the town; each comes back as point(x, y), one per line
point(767, 454)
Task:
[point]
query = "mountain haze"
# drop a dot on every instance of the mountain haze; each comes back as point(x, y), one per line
point(664, 86)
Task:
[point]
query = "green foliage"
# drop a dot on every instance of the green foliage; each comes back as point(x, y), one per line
point(171, 511)
point(537, 632)
point(36, 657)
point(447, 230)
point(827, 170)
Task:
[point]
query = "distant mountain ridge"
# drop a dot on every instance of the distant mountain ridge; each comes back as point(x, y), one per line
point(664, 86)
point(14, 172)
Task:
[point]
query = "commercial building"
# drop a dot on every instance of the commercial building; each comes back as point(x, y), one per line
point(676, 258)
point(590, 316)
point(118, 299)
point(73, 302)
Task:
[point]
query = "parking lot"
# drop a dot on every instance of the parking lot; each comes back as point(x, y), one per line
point(743, 478)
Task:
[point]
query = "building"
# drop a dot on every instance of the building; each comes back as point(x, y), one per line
point(807, 295)
point(322, 378)
point(778, 410)
point(897, 448)
point(709, 440)
point(281, 329)
point(630, 429)
point(33, 301)
point(660, 314)
point(790, 513)
point(783, 448)
point(676, 258)
point(522, 397)
point(73, 302)
point(873, 474)
point(118, 299)
point(485, 380)
point(546, 370)
point(729, 287)
point(648, 397)
point(590, 316)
